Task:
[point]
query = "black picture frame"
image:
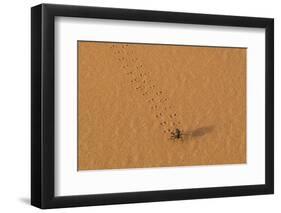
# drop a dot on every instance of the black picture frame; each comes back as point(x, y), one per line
point(43, 110)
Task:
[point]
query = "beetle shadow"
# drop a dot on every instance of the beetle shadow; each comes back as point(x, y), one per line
point(199, 132)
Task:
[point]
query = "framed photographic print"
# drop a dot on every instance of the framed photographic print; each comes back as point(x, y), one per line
point(139, 106)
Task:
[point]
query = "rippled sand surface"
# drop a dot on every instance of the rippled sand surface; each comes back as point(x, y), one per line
point(132, 98)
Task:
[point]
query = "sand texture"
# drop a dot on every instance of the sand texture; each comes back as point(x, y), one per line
point(132, 98)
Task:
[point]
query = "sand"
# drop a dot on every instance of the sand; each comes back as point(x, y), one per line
point(131, 97)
